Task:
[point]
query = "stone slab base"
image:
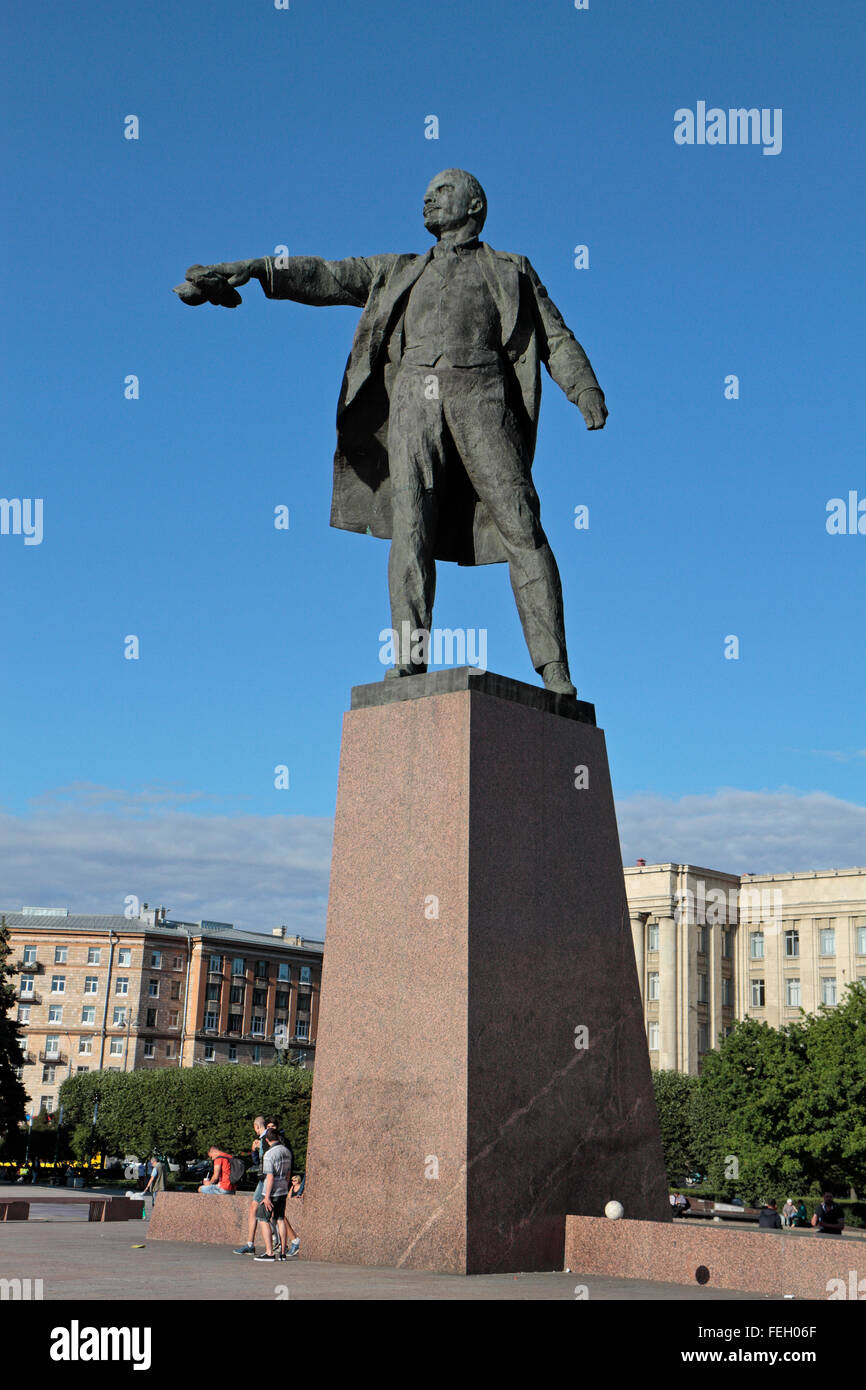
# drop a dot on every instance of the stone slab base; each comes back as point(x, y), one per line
point(768, 1262)
point(481, 1060)
point(205, 1220)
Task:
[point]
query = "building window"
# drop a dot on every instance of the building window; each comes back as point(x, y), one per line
point(792, 943)
point(19, 1073)
point(828, 989)
point(284, 971)
point(827, 941)
point(861, 941)
point(758, 994)
point(652, 936)
point(58, 984)
point(177, 963)
point(727, 991)
point(703, 988)
point(85, 1046)
point(261, 969)
point(121, 985)
point(213, 991)
point(282, 1000)
point(235, 1023)
point(48, 1073)
point(25, 988)
point(652, 985)
point(257, 1053)
point(118, 1018)
point(52, 1045)
point(257, 1026)
point(703, 939)
point(88, 1014)
point(703, 1037)
point(55, 1013)
point(259, 997)
point(150, 1021)
point(94, 955)
point(210, 1053)
point(24, 1013)
point(210, 1022)
point(653, 1036)
point(175, 989)
point(79, 1070)
point(756, 945)
point(169, 1049)
point(726, 943)
point(60, 955)
point(124, 956)
point(236, 994)
point(305, 975)
point(153, 989)
point(91, 984)
point(115, 1047)
point(238, 966)
point(156, 960)
point(148, 1049)
point(215, 965)
point(233, 1053)
point(47, 1104)
point(302, 1028)
point(173, 1018)
point(792, 993)
point(29, 955)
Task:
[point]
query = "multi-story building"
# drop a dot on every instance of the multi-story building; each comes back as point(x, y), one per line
point(712, 947)
point(124, 993)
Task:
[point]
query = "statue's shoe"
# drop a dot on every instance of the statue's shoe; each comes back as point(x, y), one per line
point(556, 678)
point(405, 671)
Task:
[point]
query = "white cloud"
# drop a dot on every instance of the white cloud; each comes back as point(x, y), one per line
point(88, 847)
point(744, 831)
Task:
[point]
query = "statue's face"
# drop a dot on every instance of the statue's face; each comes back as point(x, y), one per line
point(447, 203)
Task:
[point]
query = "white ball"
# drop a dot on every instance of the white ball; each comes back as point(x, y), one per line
point(614, 1210)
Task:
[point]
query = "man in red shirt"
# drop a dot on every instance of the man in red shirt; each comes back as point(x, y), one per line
point(220, 1179)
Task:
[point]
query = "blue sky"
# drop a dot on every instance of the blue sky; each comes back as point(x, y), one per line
point(305, 127)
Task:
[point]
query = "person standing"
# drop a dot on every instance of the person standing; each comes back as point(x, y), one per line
point(277, 1170)
point(261, 1143)
point(156, 1181)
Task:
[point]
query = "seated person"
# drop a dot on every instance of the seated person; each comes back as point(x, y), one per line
point(220, 1180)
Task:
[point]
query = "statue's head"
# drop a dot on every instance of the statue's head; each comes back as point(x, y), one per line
point(454, 199)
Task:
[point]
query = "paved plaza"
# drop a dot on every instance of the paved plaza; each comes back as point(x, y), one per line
point(81, 1260)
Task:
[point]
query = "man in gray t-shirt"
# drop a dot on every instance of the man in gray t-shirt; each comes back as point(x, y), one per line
point(277, 1170)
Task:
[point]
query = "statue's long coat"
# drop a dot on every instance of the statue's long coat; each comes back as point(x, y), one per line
point(533, 331)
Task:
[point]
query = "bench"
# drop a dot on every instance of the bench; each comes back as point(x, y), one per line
point(101, 1208)
point(206, 1219)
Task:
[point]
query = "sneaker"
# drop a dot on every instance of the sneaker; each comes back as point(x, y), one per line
point(269, 1259)
point(292, 1252)
point(244, 1250)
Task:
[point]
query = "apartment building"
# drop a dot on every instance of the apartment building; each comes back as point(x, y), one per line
point(104, 991)
point(712, 947)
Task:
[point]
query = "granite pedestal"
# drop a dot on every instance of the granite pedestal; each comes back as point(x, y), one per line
point(481, 1062)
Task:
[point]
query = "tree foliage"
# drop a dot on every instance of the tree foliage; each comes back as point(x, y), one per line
point(181, 1112)
point(13, 1097)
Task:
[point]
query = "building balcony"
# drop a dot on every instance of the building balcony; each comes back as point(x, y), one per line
point(52, 1057)
point(30, 967)
point(25, 997)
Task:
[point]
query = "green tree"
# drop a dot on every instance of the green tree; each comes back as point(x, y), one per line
point(182, 1111)
point(684, 1140)
point(13, 1097)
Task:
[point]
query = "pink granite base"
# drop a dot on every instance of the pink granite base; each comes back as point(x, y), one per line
point(207, 1220)
point(478, 935)
point(754, 1261)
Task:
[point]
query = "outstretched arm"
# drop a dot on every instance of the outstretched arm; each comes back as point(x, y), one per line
point(566, 360)
point(306, 279)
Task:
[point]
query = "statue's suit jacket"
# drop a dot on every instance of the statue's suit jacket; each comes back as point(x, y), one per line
point(533, 331)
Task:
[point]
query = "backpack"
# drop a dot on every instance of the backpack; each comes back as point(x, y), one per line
point(237, 1168)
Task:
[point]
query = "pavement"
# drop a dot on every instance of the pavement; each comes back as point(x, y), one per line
point(89, 1261)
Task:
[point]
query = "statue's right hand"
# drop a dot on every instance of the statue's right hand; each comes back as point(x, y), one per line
point(215, 284)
